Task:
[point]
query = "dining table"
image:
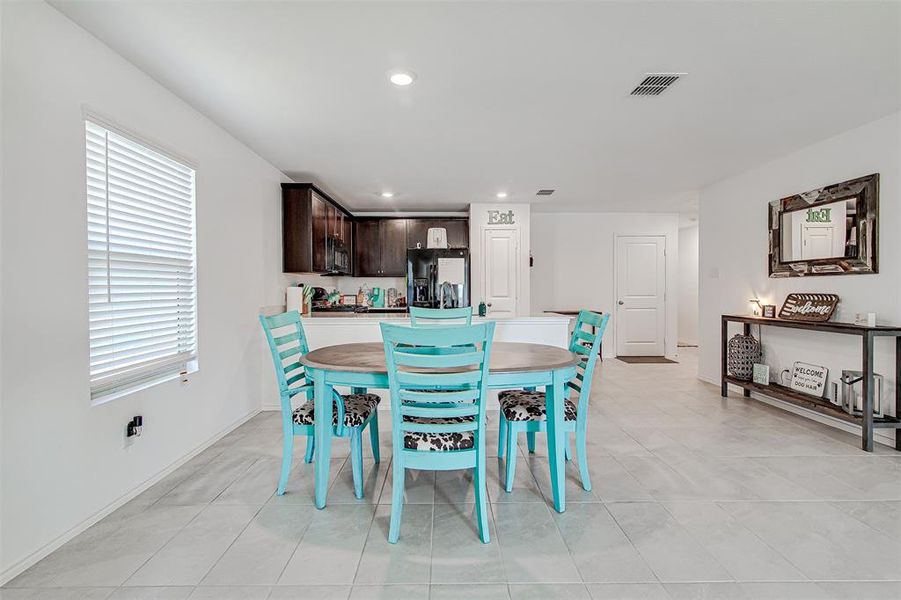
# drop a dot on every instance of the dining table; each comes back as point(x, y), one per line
point(512, 365)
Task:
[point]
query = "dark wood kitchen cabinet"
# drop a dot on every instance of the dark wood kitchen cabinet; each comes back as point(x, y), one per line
point(319, 232)
point(309, 219)
point(380, 247)
point(367, 248)
point(457, 231)
point(393, 234)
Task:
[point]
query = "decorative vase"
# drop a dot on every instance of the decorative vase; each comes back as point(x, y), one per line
point(742, 352)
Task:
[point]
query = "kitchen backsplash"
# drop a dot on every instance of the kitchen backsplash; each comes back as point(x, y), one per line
point(348, 285)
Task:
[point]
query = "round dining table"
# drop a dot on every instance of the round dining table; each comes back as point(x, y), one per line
point(512, 365)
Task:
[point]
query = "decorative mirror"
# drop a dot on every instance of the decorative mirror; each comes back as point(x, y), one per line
point(829, 231)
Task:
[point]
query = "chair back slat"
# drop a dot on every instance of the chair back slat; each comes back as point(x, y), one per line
point(459, 359)
point(437, 373)
point(579, 348)
point(286, 339)
point(415, 427)
point(432, 397)
point(433, 379)
point(452, 409)
point(284, 346)
point(587, 343)
point(440, 317)
point(289, 352)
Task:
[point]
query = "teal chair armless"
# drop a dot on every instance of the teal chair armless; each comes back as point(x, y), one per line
point(444, 317)
point(438, 378)
point(350, 413)
point(524, 411)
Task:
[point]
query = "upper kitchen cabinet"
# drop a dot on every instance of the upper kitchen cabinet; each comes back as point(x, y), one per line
point(393, 233)
point(457, 232)
point(316, 231)
point(380, 248)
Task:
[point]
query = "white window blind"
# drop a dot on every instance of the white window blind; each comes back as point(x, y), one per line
point(141, 264)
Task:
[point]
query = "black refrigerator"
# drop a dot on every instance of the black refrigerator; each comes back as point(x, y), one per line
point(438, 278)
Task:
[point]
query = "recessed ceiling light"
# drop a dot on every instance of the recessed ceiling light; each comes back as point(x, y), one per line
point(387, 195)
point(402, 78)
point(501, 195)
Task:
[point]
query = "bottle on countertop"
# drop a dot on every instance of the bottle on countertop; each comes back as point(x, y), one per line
point(483, 310)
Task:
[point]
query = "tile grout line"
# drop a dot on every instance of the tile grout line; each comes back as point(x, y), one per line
point(307, 528)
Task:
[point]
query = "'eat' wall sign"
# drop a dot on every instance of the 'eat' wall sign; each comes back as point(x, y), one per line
point(497, 217)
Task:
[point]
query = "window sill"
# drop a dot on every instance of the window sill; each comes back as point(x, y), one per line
point(144, 384)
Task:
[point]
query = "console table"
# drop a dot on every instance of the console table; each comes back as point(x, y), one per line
point(867, 421)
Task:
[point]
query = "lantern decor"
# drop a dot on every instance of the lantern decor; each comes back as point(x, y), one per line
point(742, 352)
point(852, 393)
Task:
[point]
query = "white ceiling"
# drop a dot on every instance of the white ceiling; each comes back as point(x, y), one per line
point(516, 96)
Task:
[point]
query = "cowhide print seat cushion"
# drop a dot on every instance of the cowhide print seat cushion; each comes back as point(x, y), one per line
point(520, 405)
point(462, 440)
point(357, 408)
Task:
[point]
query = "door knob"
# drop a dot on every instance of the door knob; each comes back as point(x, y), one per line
point(620, 302)
point(489, 304)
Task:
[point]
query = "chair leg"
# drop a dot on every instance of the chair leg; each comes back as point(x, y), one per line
point(356, 459)
point(397, 500)
point(374, 436)
point(501, 435)
point(582, 455)
point(311, 445)
point(481, 493)
point(287, 456)
point(567, 452)
point(511, 457)
point(530, 440)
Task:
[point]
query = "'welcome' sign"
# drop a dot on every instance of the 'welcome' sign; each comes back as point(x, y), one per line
point(808, 307)
point(810, 379)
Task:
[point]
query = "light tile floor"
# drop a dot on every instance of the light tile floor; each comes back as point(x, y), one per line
point(694, 497)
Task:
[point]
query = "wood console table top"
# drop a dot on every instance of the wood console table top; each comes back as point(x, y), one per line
point(832, 326)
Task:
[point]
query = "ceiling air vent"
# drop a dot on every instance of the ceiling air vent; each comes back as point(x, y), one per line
point(655, 84)
point(544, 192)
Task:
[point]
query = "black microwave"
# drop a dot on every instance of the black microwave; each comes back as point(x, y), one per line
point(337, 257)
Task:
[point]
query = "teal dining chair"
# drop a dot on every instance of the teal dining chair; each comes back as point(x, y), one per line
point(351, 413)
point(525, 411)
point(420, 316)
point(437, 377)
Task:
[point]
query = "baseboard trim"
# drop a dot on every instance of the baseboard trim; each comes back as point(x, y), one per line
point(22, 565)
point(879, 435)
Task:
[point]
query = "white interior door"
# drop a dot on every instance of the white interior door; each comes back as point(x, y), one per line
point(641, 295)
point(818, 242)
point(501, 272)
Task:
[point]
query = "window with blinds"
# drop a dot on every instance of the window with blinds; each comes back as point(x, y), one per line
point(142, 284)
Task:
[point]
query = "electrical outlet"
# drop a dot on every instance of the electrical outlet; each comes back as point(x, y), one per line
point(133, 430)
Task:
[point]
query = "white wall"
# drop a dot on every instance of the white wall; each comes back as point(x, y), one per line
point(573, 255)
point(63, 461)
point(733, 250)
point(688, 286)
point(478, 221)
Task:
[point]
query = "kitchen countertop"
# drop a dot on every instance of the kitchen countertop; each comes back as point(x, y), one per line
point(327, 317)
point(344, 317)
